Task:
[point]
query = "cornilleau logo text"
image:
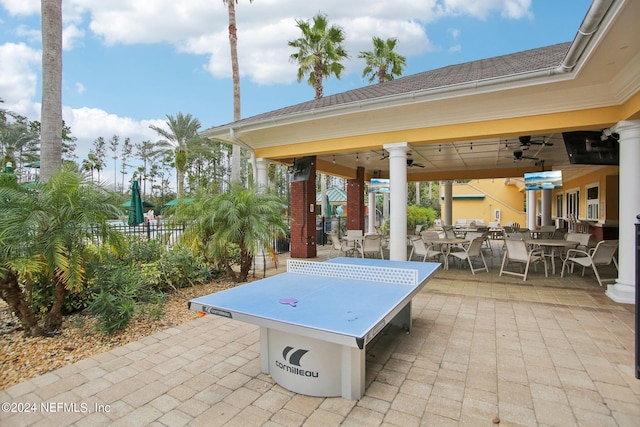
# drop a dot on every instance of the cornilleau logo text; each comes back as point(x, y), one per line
point(293, 358)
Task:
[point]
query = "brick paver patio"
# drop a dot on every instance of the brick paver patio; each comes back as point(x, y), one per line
point(483, 348)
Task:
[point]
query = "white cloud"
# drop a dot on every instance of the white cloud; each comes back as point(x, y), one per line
point(87, 124)
point(18, 65)
point(71, 37)
point(21, 7)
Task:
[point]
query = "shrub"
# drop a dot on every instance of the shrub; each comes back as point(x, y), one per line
point(114, 301)
point(178, 268)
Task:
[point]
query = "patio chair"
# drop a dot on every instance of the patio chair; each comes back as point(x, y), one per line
point(474, 250)
point(372, 244)
point(449, 232)
point(602, 254)
point(518, 252)
point(546, 231)
point(582, 239)
point(559, 234)
point(421, 249)
point(337, 245)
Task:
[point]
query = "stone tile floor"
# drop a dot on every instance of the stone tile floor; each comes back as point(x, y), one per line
point(545, 352)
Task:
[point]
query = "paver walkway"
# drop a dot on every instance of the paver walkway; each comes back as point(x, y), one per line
point(546, 352)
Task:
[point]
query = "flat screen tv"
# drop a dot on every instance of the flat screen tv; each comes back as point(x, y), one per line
point(301, 168)
point(588, 148)
point(547, 180)
point(379, 185)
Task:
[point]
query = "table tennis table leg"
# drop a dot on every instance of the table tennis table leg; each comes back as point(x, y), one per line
point(403, 318)
point(353, 372)
point(264, 350)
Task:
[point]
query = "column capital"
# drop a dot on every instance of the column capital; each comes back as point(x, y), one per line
point(626, 125)
point(397, 147)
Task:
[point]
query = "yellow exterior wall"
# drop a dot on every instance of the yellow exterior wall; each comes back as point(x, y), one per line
point(509, 197)
point(607, 179)
point(500, 194)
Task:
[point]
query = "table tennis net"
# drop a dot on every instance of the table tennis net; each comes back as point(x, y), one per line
point(400, 276)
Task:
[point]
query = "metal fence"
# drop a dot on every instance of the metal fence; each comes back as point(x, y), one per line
point(165, 232)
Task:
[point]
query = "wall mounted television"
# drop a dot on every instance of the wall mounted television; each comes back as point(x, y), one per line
point(588, 148)
point(301, 168)
point(546, 180)
point(379, 185)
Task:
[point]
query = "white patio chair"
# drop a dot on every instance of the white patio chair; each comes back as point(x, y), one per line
point(473, 250)
point(582, 239)
point(516, 250)
point(372, 245)
point(602, 254)
point(337, 245)
point(421, 249)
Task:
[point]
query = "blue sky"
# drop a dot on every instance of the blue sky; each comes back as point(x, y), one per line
point(128, 64)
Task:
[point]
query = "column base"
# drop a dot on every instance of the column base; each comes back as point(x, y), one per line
point(622, 293)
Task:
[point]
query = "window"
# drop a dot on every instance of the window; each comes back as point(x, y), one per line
point(559, 205)
point(573, 203)
point(593, 202)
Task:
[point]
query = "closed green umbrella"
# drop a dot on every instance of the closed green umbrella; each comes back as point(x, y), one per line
point(136, 211)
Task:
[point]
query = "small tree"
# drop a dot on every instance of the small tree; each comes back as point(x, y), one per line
point(45, 232)
point(242, 220)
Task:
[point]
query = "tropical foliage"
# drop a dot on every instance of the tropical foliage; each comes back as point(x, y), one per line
point(382, 63)
point(230, 228)
point(46, 232)
point(181, 137)
point(319, 52)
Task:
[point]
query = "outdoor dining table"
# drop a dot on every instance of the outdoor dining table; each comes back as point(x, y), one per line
point(553, 244)
point(446, 244)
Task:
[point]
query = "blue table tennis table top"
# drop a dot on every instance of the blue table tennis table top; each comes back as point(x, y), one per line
point(335, 305)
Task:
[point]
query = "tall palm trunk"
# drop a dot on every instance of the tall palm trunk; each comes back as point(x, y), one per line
point(51, 110)
point(233, 42)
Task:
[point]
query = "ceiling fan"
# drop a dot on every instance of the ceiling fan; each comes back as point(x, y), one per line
point(519, 155)
point(412, 164)
point(526, 142)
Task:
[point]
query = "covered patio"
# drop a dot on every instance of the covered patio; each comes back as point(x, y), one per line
point(494, 118)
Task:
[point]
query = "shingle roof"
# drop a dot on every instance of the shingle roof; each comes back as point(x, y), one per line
point(490, 68)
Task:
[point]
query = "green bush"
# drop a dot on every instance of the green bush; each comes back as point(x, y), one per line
point(418, 215)
point(115, 293)
point(40, 295)
point(178, 268)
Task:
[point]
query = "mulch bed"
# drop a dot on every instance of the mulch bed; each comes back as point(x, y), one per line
point(22, 358)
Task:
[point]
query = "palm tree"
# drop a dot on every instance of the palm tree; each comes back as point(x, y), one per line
point(182, 133)
point(319, 52)
point(59, 219)
point(51, 109)
point(383, 62)
point(235, 69)
point(18, 144)
point(244, 218)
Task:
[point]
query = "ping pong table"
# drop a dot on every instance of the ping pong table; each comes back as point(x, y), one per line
point(317, 318)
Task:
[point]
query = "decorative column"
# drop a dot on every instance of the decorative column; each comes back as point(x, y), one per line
point(448, 203)
point(546, 208)
point(355, 201)
point(623, 291)
point(385, 206)
point(372, 213)
point(261, 172)
point(531, 209)
point(398, 193)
